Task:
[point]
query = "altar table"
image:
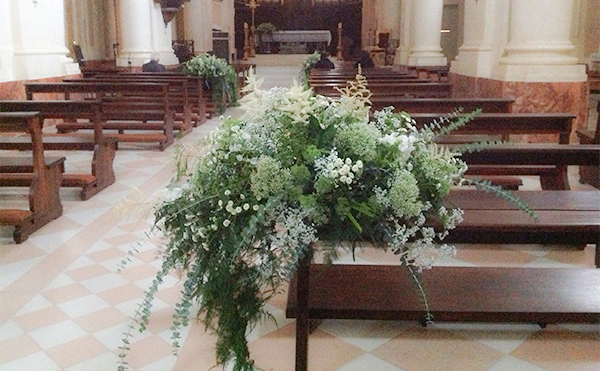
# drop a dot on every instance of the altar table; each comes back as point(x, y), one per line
point(296, 41)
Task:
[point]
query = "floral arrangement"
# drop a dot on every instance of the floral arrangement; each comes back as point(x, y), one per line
point(257, 194)
point(266, 28)
point(308, 64)
point(218, 75)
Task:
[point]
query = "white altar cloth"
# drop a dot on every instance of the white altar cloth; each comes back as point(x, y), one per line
point(304, 36)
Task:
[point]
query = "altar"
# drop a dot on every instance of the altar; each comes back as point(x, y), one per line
point(295, 42)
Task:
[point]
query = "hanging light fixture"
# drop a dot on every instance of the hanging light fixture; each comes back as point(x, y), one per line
point(170, 8)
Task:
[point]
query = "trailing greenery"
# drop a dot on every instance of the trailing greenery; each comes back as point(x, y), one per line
point(296, 169)
point(218, 75)
point(308, 64)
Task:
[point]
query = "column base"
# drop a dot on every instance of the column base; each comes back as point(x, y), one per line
point(533, 97)
point(427, 60)
point(540, 73)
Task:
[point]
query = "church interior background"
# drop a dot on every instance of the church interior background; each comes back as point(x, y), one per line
point(63, 306)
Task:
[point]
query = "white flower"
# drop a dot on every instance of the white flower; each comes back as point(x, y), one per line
point(227, 192)
point(226, 222)
point(246, 206)
point(255, 207)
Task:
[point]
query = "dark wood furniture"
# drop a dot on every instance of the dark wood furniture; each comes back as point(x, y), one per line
point(102, 173)
point(400, 89)
point(446, 105)
point(122, 116)
point(552, 176)
point(590, 174)
point(46, 176)
point(538, 295)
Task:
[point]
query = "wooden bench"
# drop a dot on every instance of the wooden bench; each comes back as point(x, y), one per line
point(122, 116)
point(44, 198)
point(102, 173)
point(186, 94)
point(241, 70)
point(502, 125)
point(404, 89)
point(446, 105)
point(590, 174)
point(498, 294)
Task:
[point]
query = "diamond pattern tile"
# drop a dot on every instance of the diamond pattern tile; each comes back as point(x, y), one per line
point(65, 306)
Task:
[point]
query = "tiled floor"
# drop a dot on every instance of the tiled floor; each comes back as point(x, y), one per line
point(64, 305)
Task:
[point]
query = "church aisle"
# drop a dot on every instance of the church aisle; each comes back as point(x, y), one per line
point(64, 305)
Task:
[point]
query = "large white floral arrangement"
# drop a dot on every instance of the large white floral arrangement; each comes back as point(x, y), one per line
point(296, 169)
point(218, 75)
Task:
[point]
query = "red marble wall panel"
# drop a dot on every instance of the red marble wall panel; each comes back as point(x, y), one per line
point(571, 97)
point(16, 89)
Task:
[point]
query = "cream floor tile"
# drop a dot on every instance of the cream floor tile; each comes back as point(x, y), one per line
point(106, 361)
point(368, 362)
point(514, 364)
point(105, 282)
point(325, 352)
point(14, 271)
point(101, 319)
point(10, 329)
point(83, 306)
point(57, 334)
point(41, 318)
point(421, 349)
point(76, 351)
point(558, 350)
point(366, 335)
point(66, 293)
point(148, 351)
point(17, 347)
point(36, 361)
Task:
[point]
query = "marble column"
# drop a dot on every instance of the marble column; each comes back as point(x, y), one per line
point(136, 32)
point(479, 51)
point(198, 15)
point(388, 17)
point(426, 34)
point(403, 50)
point(539, 47)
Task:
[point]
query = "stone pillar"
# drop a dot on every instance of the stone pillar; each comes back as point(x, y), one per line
point(426, 34)
point(38, 40)
point(136, 32)
point(539, 47)
point(198, 24)
point(478, 53)
point(403, 50)
point(388, 17)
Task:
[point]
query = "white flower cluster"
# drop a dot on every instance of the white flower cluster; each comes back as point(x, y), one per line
point(406, 143)
point(343, 171)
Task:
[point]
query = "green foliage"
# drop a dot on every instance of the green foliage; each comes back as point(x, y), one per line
point(308, 64)
point(294, 170)
point(266, 28)
point(219, 76)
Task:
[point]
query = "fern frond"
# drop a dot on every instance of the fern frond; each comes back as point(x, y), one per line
point(488, 187)
point(450, 122)
point(478, 146)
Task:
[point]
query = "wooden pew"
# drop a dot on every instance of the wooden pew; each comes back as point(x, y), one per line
point(188, 101)
point(447, 105)
point(102, 173)
point(404, 89)
point(483, 294)
point(44, 198)
point(122, 116)
point(504, 124)
point(590, 174)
